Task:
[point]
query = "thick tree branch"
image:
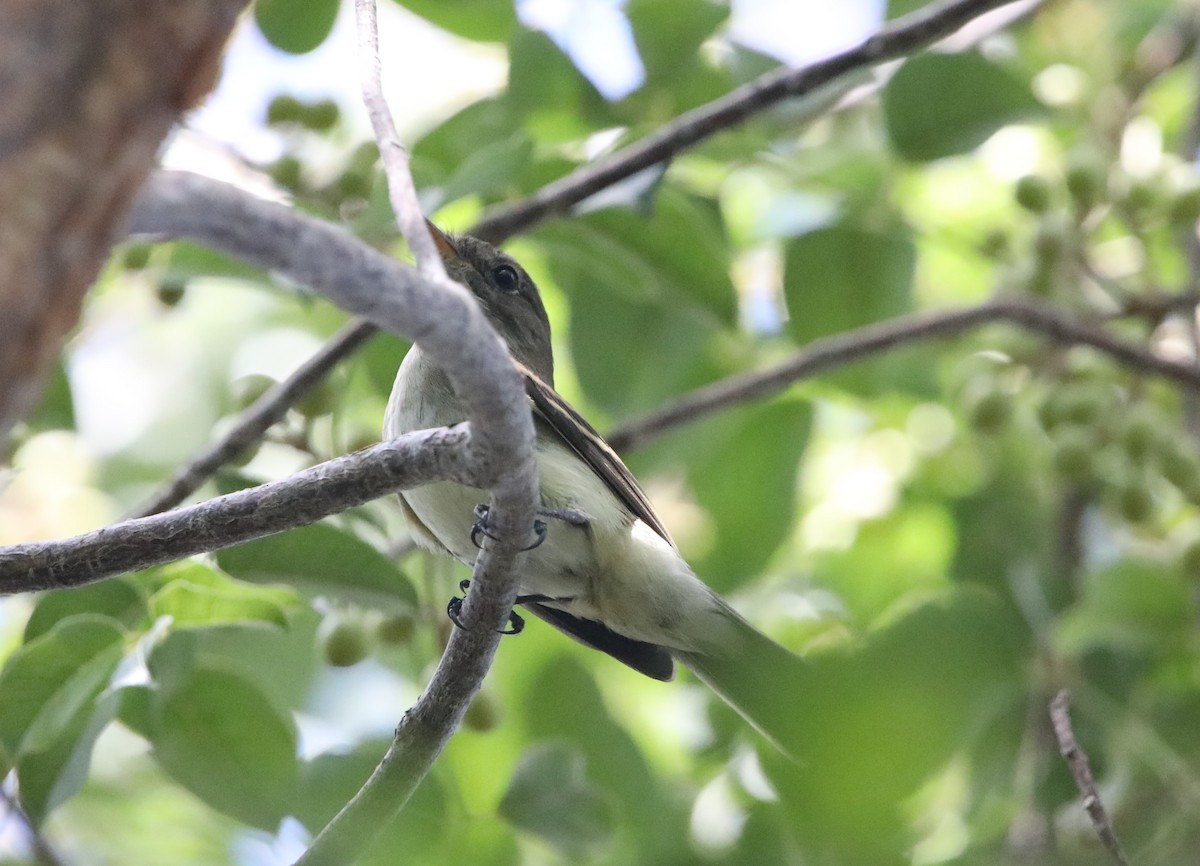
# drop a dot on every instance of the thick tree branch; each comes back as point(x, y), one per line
point(903, 36)
point(89, 92)
point(319, 491)
point(1081, 771)
point(866, 342)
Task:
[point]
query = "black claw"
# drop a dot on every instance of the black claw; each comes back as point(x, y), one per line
point(516, 623)
point(539, 529)
point(480, 526)
point(453, 609)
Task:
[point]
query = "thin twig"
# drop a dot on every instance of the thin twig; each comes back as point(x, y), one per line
point(862, 343)
point(259, 417)
point(1077, 761)
point(401, 192)
point(902, 36)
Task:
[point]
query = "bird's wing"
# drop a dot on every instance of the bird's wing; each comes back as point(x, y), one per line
point(577, 434)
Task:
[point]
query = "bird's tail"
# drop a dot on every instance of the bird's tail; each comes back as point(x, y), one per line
point(753, 674)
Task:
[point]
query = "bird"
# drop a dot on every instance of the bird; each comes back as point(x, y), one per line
point(605, 569)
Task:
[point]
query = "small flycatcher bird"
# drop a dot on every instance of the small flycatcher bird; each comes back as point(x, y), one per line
point(606, 572)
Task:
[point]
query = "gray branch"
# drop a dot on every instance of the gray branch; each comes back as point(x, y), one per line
point(325, 489)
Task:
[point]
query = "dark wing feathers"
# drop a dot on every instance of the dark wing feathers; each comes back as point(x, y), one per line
point(582, 438)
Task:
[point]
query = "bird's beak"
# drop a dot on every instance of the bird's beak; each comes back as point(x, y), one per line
point(445, 246)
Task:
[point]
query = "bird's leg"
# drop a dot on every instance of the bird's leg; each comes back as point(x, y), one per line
point(516, 622)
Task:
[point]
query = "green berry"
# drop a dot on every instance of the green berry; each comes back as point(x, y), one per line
point(345, 640)
point(1139, 434)
point(1086, 179)
point(1136, 194)
point(483, 714)
point(396, 629)
point(1033, 193)
point(321, 400)
point(287, 172)
point(284, 109)
point(1081, 403)
point(1051, 239)
point(1074, 453)
point(354, 184)
point(247, 389)
point(995, 244)
point(1135, 501)
point(990, 411)
point(321, 116)
point(134, 257)
point(171, 289)
point(365, 156)
point(1179, 466)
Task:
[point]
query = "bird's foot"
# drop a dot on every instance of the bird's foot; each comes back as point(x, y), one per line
point(480, 527)
point(516, 622)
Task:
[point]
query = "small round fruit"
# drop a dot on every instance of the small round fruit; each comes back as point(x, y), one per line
point(1179, 466)
point(990, 411)
point(344, 640)
point(1033, 193)
point(284, 108)
point(134, 257)
point(1074, 453)
point(1135, 501)
point(1051, 239)
point(171, 290)
point(321, 116)
point(1140, 434)
point(1086, 179)
point(396, 629)
point(483, 714)
point(321, 400)
point(247, 389)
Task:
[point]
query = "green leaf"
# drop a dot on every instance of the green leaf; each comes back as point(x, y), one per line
point(748, 486)
point(1133, 605)
point(188, 260)
point(120, 599)
point(53, 706)
point(320, 555)
point(50, 774)
point(942, 104)
point(684, 245)
point(48, 681)
point(555, 102)
point(481, 20)
point(197, 596)
point(840, 278)
point(295, 26)
point(490, 170)
point(942, 674)
point(550, 795)
point(219, 736)
point(669, 34)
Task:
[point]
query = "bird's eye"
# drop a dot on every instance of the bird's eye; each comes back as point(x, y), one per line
point(506, 279)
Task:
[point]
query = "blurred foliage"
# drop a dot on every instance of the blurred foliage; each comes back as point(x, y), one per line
point(948, 533)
